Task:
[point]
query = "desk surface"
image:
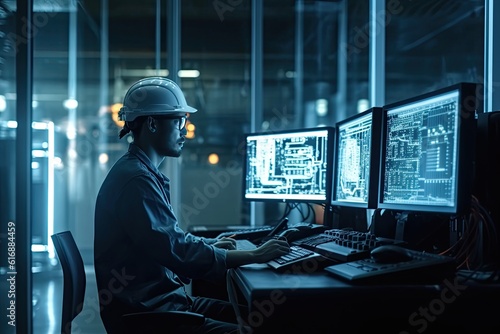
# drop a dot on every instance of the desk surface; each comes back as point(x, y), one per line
point(319, 296)
point(258, 281)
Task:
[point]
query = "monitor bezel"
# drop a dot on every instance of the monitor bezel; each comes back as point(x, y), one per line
point(375, 142)
point(469, 106)
point(331, 134)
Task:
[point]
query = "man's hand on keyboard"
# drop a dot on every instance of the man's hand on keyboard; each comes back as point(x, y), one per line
point(270, 250)
point(226, 243)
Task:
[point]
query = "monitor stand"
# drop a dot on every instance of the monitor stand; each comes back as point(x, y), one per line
point(401, 220)
point(349, 217)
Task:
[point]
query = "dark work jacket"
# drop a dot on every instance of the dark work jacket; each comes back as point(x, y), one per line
point(141, 255)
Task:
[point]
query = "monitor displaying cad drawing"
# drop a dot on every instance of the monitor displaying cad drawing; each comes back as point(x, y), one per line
point(357, 160)
point(289, 166)
point(428, 151)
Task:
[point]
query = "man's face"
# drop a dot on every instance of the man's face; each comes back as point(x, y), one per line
point(170, 136)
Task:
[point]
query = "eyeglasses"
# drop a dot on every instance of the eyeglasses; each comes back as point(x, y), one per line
point(181, 120)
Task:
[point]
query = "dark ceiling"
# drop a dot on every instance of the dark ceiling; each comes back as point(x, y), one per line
point(429, 43)
point(419, 21)
point(444, 35)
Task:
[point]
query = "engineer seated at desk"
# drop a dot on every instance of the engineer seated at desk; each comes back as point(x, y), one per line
point(143, 259)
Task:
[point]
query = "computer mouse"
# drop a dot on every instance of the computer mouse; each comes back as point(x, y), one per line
point(390, 254)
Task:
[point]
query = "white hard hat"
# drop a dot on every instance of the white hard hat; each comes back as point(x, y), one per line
point(153, 96)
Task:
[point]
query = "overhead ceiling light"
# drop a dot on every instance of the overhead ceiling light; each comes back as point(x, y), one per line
point(144, 72)
point(70, 103)
point(188, 73)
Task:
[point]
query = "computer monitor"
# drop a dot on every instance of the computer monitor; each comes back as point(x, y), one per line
point(289, 166)
point(357, 160)
point(428, 146)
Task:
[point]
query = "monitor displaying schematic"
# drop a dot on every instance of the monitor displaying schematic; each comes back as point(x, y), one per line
point(357, 160)
point(428, 147)
point(289, 166)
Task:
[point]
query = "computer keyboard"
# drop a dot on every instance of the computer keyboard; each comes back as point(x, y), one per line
point(423, 267)
point(299, 259)
point(247, 233)
point(343, 245)
point(263, 233)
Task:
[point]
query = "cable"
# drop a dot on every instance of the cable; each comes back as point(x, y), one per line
point(479, 235)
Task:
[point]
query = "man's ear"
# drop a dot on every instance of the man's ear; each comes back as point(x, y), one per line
point(151, 124)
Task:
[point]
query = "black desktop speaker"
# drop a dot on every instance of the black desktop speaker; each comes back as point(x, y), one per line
point(486, 186)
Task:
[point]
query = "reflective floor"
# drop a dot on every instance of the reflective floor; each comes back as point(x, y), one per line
point(47, 300)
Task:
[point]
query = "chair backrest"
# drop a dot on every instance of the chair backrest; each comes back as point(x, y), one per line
point(74, 279)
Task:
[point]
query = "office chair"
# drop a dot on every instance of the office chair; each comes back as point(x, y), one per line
point(74, 282)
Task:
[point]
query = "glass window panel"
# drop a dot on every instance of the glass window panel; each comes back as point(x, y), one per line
point(432, 44)
point(67, 95)
point(279, 56)
point(354, 54)
point(216, 42)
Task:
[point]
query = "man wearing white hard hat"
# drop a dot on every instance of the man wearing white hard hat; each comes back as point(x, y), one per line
point(142, 258)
